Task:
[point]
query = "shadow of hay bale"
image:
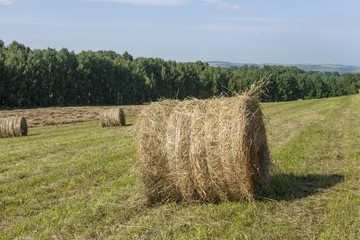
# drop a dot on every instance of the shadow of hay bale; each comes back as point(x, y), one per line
point(288, 187)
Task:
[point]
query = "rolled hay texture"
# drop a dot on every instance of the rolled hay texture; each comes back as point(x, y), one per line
point(204, 150)
point(112, 117)
point(152, 156)
point(13, 127)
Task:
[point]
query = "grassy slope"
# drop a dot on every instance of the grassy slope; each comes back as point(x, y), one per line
point(73, 181)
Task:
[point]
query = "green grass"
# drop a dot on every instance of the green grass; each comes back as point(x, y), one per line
point(74, 182)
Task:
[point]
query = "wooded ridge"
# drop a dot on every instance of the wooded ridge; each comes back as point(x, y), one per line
point(47, 77)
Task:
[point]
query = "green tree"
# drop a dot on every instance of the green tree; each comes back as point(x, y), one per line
point(3, 92)
point(16, 83)
point(67, 77)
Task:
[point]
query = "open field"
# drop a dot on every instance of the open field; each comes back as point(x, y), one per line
point(64, 115)
point(75, 181)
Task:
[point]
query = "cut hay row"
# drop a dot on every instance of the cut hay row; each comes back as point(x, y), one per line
point(203, 150)
point(112, 117)
point(13, 127)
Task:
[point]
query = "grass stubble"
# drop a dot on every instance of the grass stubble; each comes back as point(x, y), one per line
point(76, 181)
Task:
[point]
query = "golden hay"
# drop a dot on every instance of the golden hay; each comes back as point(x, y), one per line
point(204, 150)
point(152, 159)
point(13, 127)
point(112, 117)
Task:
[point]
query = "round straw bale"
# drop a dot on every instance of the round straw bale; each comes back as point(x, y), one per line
point(206, 150)
point(212, 149)
point(153, 163)
point(112, 117)
point(13, 127)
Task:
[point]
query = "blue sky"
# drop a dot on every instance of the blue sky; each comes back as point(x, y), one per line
point(257, 31)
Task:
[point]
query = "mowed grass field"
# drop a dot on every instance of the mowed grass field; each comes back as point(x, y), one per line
point(77, 181)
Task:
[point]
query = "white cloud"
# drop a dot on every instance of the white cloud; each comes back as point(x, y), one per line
point(226, 6)
point(147, 2)
point(70, 24)
point(27, 21)
point(6, 2)
point(230, 28)
point(211, 1)
point(253, 19)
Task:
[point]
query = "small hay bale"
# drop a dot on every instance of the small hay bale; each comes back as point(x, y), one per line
point(112, 117)
point(203, 150)
point(13, 127)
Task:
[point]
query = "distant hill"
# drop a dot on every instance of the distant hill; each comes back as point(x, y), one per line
point(329, 68)
point(229, 64)
point(307, 67)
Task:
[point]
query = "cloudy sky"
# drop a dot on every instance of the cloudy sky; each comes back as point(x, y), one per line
point(243, 31)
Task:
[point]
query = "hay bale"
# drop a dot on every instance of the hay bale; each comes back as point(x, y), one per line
point(204, 150)
point(112, 117)
point(13, 127)
point(152, 161)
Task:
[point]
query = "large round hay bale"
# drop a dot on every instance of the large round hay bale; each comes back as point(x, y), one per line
point(204, 150)
point(112, 117)
point(152, 161)
point(13, 127)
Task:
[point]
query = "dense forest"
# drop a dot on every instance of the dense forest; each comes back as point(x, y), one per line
point(41, 78)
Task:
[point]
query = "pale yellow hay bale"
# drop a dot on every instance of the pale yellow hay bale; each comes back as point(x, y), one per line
point(112, 117)
point(13, 127)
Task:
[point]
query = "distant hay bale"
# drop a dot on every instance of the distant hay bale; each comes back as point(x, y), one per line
point(203, 150)
point(13, 127)
point(112, 117)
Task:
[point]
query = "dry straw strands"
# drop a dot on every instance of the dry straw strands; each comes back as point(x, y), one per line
point(112, 117)
point(13, 127)
point(153, 163)
point(204, 150)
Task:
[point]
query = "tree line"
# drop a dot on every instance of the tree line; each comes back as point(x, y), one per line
point(47, 77)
